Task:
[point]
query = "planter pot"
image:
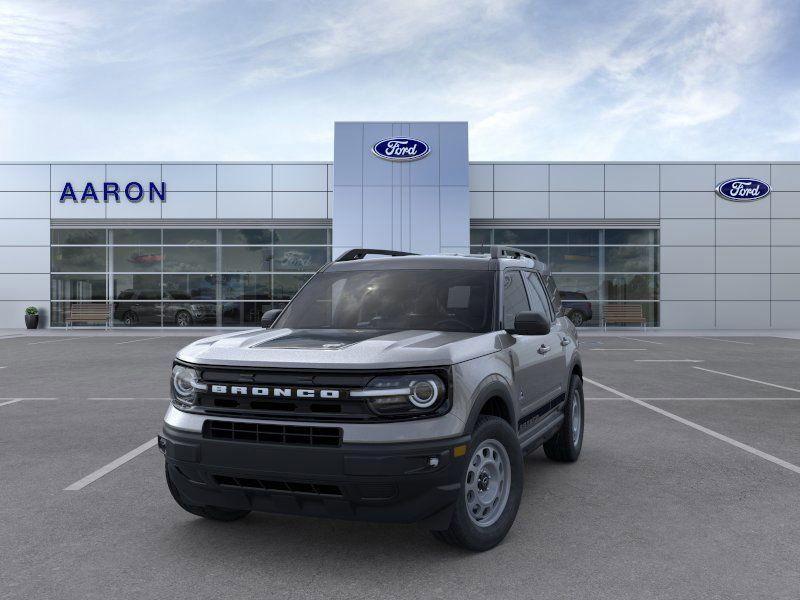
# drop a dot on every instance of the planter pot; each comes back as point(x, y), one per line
point(31, 321)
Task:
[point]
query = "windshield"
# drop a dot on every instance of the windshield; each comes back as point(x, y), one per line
point(440, 300)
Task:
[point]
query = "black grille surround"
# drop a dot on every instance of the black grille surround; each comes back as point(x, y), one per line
point(341, 409)
point(273, 433)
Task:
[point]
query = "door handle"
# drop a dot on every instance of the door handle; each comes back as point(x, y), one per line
point(543, 349)
point(565, 341)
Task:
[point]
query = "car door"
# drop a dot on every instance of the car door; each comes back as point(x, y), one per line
point(528, 353)
point(555, 356)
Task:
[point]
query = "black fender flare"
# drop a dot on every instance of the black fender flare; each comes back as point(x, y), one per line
point(494, 387)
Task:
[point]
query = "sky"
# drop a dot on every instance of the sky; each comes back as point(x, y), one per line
point(260, 81)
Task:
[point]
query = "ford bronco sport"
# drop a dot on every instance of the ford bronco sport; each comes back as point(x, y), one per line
point(400, 388)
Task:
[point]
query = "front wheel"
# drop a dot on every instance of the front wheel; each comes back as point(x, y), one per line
point(183, 319)
point(491, 488)
point(566, 444)
point(577, 318)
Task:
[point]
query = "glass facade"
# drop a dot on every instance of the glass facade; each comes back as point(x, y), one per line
point(592, 267)
point(182, 277)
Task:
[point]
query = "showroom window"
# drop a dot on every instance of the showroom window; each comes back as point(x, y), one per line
point(592, 267)
point(153, 277)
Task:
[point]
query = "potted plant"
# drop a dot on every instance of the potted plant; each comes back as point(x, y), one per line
point(31, 317)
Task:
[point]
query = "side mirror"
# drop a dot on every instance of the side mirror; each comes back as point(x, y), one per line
point(531, 323)
point(269, 317)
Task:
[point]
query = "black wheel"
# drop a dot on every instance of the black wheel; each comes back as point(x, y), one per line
point(577, 318)
point(129, 319)
point(214, 513)
point(565, 446)
point(183, 319)
point(491, 488)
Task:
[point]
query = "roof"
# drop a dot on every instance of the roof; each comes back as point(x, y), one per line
point(478, 262)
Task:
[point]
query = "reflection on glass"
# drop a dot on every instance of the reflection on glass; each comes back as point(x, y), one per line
point(621, 237)
point(246, 287)
point(284, 287)
point(247, 237)
point(247, 259)
point(589, 285)
point(190, 236)
point(78, 287)
point(630, 287)
point(190, 314)
point(574, 237)
point(77, 259)
point(190, 259)
point(300, 236)
point(137, 259)
point(127, 286)
point(520, 237)
point(631, 259)
point(299, 258)
point(246, 313)
point(480, 236)
point(575, 259)
point(150, 237)
point(137, 313)
point(194, 287)
point(82, 237)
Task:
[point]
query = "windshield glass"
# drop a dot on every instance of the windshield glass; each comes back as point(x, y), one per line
point(440, 300)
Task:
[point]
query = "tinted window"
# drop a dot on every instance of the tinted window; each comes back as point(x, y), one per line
point(539, 301)
point(515, 299)
point(439, 300)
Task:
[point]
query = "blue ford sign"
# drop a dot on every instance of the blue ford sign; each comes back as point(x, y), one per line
point(743, 189)
point(401, 149)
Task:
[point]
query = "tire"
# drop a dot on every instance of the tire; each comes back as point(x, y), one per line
point(215, 513)
point(566, 444)
point(494, 443)
point(183, 319)
point(577, 318)
point(129, 319)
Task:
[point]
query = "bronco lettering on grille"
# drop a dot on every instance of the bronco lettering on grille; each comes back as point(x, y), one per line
point(275, 392)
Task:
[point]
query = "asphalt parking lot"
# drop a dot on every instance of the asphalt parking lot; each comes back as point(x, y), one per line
point(688, 487)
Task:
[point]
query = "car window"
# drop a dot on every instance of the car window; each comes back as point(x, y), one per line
point(539, 301)
point(515, 298)
point(552, 291)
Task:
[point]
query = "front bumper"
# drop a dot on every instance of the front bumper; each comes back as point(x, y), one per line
point(372, 482)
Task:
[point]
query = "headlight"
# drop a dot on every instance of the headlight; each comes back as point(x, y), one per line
point(185, 384)
point(404, 395)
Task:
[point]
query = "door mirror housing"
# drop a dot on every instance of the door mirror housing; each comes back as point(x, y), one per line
point(530, 323)
point(269, 317)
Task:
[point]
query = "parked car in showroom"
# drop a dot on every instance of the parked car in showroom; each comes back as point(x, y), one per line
point(402, 388)
point(143, 307)
point(576, 307)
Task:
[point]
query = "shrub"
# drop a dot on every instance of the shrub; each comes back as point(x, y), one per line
point(31, 310)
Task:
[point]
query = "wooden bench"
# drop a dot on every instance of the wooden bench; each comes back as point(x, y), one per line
point(88, 312)
point(623, 314)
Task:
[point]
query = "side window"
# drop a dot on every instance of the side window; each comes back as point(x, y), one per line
point(552, 291)
point(539, 302)
point(515, 298)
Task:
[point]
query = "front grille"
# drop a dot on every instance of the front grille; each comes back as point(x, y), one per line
point(292, 487)
point(267, 433)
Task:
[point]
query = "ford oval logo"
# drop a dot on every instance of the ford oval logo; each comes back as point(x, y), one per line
point(743, 190)
point(401, 148)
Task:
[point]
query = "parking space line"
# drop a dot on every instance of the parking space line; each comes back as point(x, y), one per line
point(699, 337)
point(775, 385)
point(5, 401)
point(92, 477)
point(679, 360)
point(732, 398)
point(617, 349)
point(165, 399)
point(11, 402)
point(65, 339)
point(639, 340)
point(723, 438)
point(140, 340)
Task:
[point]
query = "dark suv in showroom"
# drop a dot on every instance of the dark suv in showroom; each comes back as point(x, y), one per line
point(143, 307)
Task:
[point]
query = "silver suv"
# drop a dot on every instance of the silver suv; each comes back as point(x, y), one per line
point(398, 388)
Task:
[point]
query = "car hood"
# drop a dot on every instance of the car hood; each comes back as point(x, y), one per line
point(339, 349)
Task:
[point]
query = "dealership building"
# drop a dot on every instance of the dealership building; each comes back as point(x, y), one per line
point(217, 244)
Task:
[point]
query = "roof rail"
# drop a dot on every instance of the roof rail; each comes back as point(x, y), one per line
point(359, 253)
point(510, 252)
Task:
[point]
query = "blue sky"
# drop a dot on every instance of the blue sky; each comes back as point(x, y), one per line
point(559, 80)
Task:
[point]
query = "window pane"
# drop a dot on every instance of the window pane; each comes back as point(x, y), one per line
point(631, 236)
point(190, 287)
point(246, 259)
point(138, 314)
point(515, 299)
point(78, 259)
point(78, 287)
point(299, 258)
point(521, 237)
point(536, 295)
point(190, 259)
point(137, 287)
point(581, 312)
point(246, 313)
point(136, 236)
point(190, 236)
point(631, 259)
point(630, 287)
point(576, 259)
point(300, 236)
point(572, 237)
point(137, 258)
point(246, 287)
point(247, 237)
point(284, 287)
point(578, 287)
point(186, 314)
point(480, 236)
point(83, 237)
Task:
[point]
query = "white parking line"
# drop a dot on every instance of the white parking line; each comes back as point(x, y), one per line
point(141, 340)
point(639, 340)
point(92, 477)
point(162, 399)
point(775, 385)
point(11, 402)
point(64, 339)
point(723, 438)
point(6, 401)
point(617, 349)
point(680, 360)
point(4, 367)
point(722, 340)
